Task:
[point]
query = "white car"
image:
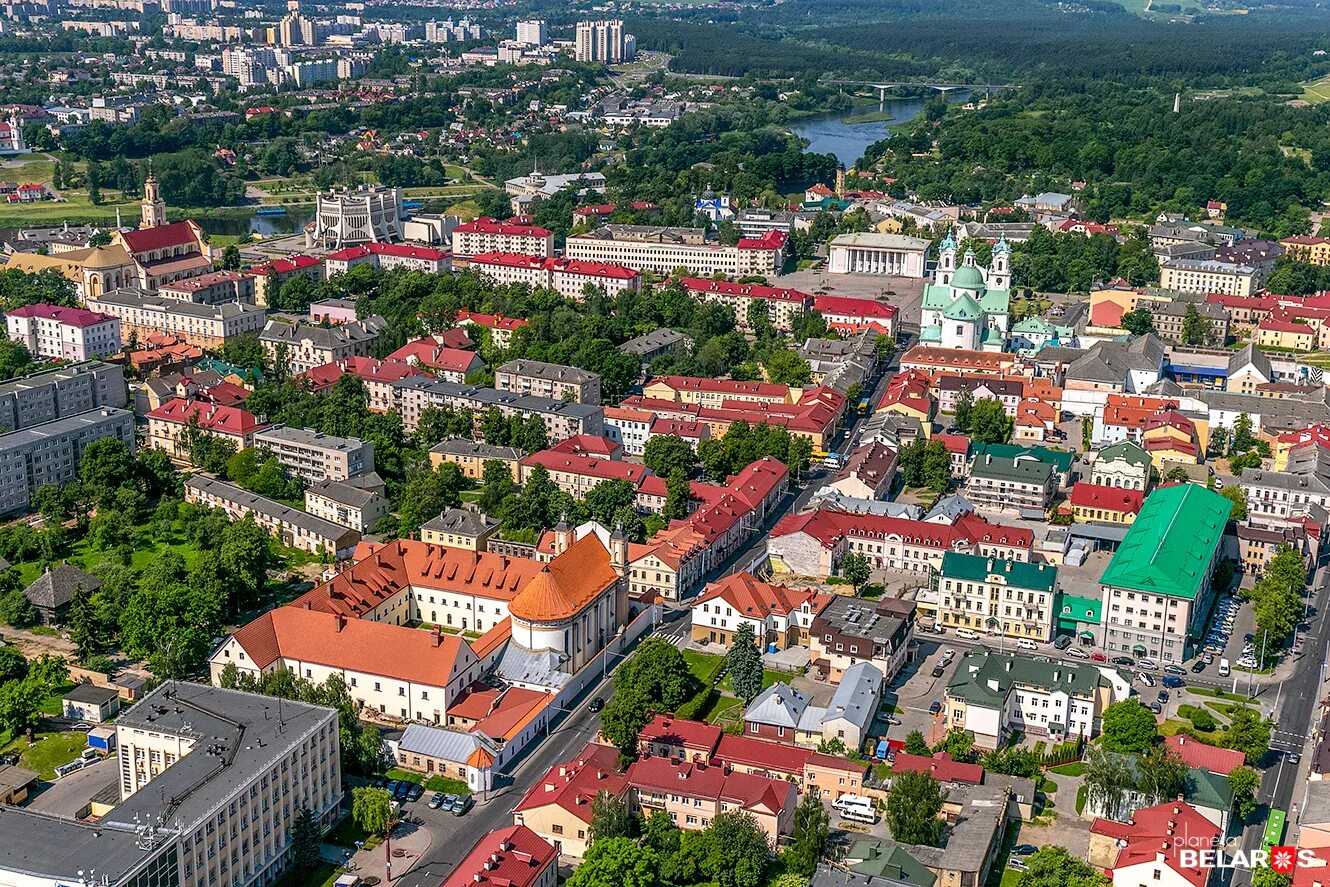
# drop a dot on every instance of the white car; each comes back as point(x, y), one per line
point(1076, 653)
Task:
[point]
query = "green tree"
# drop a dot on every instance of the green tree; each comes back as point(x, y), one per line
point(734, 850)
point(744, 662)
point(496, 486)
point(659, 670)
point(306, 836)
point(784, 367)
point(1128, 727)
point(1108, 779)
point(1196, 330)
point(660, 833)
point(371, 809)
point(1138, 322)
point(989, 422)
point(811, 830)
point(1247, 732)
point(617, 862)
point(231, 257)
point(916, 744)
point(17, 610)
point(855, 569)
point(1238, 496)
point(20, 704)
point(13, 665)
point(913, 804)
point(1268, 877)
point(959, 744)
point(1244, 781)
point(964, 410)
point(106, 464)
point(1053, 866)
point(624, 716)
point(668, 453)
point(85, 626)
point(678, 496)
point(610, 818)
point(1160, 774)
point(936, 466)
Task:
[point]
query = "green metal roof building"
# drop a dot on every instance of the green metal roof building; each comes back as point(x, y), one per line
point(1061, 461)
point(1080, 616)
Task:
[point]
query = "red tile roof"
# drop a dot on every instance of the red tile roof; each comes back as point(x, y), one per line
point(588, 445)
point(862, 309)
point(79, 317)
point(773, 239)
point(753, 598)
point(728, 387)
point(486, 225)
point(829, 527)
point(1205, 757)
point(691, 736)
point(148, 239)
point(514, 856)
point(574, 785)
point(1156, 834)
point(587, 466)
point(515, 708)
point(209, 416)
point(746, 290)
point(752, 792)
point(1112, 498)
point(428, 352)
point(321, 377)
point(940, 766)
point(955, 443)
point(491, 321)
point(285, 266)
point(566, 584)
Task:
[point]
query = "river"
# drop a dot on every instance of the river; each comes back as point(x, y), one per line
point(830, 134)
point(265, 226)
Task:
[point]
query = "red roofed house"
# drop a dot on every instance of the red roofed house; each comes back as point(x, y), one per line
point(869, 473)
point(569, 277)
point(170, 425)
point(714, 392)
point(508, 857)
point(694, 794)
point(485, 235)
point(281, 270)
point(1145, 852)
point(59, 333)
point(1198, 755)
point(1035, 420)
point(558, 806)
point(848, 315)
point(431, 355)
point(577, 473)
point(1091, 503)
point(389, 256)
point(940, 766)
point(500, 327)
point(783, 305)
point(378, 376)
point(778, 614)
point(910, 394)
point(589, 445)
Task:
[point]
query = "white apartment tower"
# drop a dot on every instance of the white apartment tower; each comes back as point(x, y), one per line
point(533, 32)
point(604, 41)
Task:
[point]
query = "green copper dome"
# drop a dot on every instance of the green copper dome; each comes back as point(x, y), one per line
point(964, 308)
point(967, 277)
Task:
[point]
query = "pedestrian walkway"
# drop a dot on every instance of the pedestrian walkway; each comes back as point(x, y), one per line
point(409, 843)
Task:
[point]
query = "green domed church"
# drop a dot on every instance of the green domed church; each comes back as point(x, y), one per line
point(966, 306)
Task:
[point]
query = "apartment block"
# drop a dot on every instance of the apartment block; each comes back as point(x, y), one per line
point(563, 419)
point(317, 457)
point(664, 250)
point(471, 457)
point(211, 289)
point(290, 526)
point(49, 453)
point(59, 333)
point(485, 235)
point(550, 380)
point(302, 347)
point(58, 393)
point(208, 326)
point(1013, 598)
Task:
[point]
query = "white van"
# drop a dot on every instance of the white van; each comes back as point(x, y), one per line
point(1027, 644)
point(967, 634)
point(1223, 668)
point(869, 818)
point(847, 804)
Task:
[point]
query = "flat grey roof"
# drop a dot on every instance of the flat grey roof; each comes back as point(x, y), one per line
point(61, 427)
point(91, 694)
point(308, 438)
point(45, 846)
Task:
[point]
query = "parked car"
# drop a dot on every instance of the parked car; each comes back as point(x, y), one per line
point(1017, 863)
point(1077, 653)
point(403, 791)
point(1163, 696)
point(1024, 850)
point(1294, 758)
point(437, 799)
point(1156, 708)
point(1096, 656)
point(392, 787)
point(415, 792)
point(1147, 663)
point(379, 781)
point(1199, 666)
point(935, 707)
point(463, 805)
point(596, 704)
point(1172, 681)
point(1124, 661)
point(1062, 642)
point(1145, 678)
point(1174, 669)
point(939, 670)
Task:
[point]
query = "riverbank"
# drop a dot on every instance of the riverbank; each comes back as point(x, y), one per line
point(870, 117)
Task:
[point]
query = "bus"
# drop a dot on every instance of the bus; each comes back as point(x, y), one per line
point(818, 455)
point(1274, 829)
point(863, 407)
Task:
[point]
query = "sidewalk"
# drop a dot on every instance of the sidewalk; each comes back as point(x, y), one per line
point(409, 843)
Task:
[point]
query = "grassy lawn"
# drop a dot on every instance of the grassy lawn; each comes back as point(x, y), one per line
point(1220, 694)
point(432, 784)
point(51, 705)
point(348, 833)
point(1080, 799)
point(1316, 91)
point(324, 874)
point(48, 752)
point(701, 664)
point(1074, 769)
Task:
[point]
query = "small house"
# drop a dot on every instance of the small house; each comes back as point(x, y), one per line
point(88, 702)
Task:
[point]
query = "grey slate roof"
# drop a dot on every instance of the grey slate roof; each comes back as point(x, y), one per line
point(948, 509)
point(365, 329)
point(1250, 354)
point(856, 695)
point(1112, 361)
point(552, 372)
point(449, 745)
point(464, 447)
point(269, 507)
point(344, 492)
point(91, 694)
point(779, 705)
point(459, 520)
point(652, 342)
point(56, 588)
point(530, 668)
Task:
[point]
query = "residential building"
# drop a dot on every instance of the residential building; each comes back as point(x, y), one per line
point(500, 328)
point(664, 250)
point(780, 617)
point(279, 271)
point(1315, 250)
point(302, 347)
point(854, 315)
point(58, 333)
point(693, 794)
point(1091, 503)
point(1011, 483)
point(1123, 465)
point(459, 528)
point(291, 526)
point(1109, 368)
point(848, 631)
point(568, 277)
point(1279, 499)
point(715, 392)
point(208, 326)
point(508, 857)
point(548, 380)
point(316, 456)
point(433, 355)
point(49, 453)
point(604, 41)
point(782, 714)
point(377, 376)
point(1208, 276)
point(987, 595)
point(1210, 794)
point(486, 236)
point(869, 473)
point(1145, 852)
point(471, 457)
point(211, 289)
point(1156, 590)
point(563, 419)
point(932, 358)
point(993, 695)
point(358, 502)
point(558, 806)
point(52, 592)
point(64, 391)
point(783, 306)
point(872, 253)
point(434, 751)
point(171, 426)
point(388, 257)
point(576, 474)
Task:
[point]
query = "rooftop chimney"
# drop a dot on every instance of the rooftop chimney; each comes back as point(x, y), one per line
point(341, 622)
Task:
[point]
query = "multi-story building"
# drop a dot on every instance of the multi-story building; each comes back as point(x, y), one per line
point(500, 328)
point(388, 257)
point(58, 333)
point(783, 306)
point(1011, 483)
point(1091, 503)
point(1288, 498)
point(850, 631)
point(992, 595)
point(1123, 465)
point(693, 794)
point(664, 250)
point(558, 806)
point(291, 526)
point(868, 252)
point(49, 453)
point(777, 614)
point(209, 783)
point(604, 41)
point(1315, 250)
point(377, 376)
point(172, 425)
point(508, 857)
point(577, 474)
point(471, 457)
point(563, 419)
point(992, 695)
point(61, 392)
point(550, 380)
point(782, 714)
point(1207, 276)
point(366, 214)
point(459, 528)
point(1156, 590)
point(533, 32)
point(485, 235)
point(211, 289)
point(279, 271)
point(1170, 319)
point(568, 277)
point(358, 502)
point(302, 347)
point(315, 456)
point(207, 326)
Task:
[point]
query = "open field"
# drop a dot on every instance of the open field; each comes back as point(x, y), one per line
point(1316, 91)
